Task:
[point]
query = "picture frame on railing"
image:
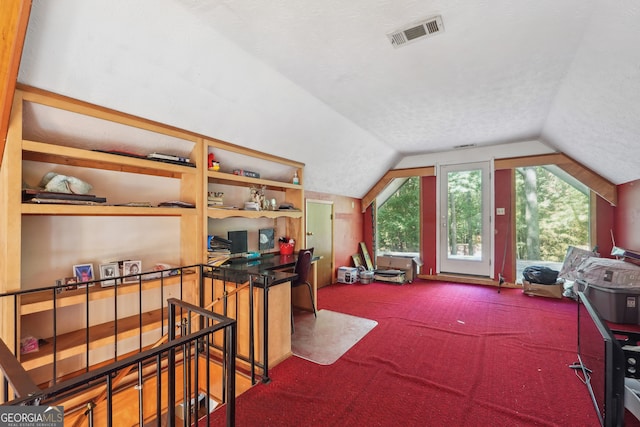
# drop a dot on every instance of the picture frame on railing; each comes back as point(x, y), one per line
point(83, 273)
point(108, 274)
point(129, 268)
point(70, 283)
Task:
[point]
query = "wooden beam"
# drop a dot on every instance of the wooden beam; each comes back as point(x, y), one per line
point(595, 182)
point(521, 162)
point(14, 18)
point(390, 176)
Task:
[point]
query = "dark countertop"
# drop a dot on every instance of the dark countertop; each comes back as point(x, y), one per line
point(266, 267)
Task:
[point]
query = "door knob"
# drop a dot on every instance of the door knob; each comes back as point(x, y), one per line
point(309, 233)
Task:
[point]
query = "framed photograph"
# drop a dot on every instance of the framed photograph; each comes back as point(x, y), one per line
point(130, 268)
point(83, 273)
point(266, 239)
point(108, 274)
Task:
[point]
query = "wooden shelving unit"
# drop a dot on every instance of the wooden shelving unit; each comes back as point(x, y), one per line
point(72, 145)
point(291, 193)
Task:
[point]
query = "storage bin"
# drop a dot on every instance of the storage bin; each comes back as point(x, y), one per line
point(617, 305)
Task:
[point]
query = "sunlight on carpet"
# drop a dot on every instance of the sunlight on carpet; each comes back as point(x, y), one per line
point(324, 339)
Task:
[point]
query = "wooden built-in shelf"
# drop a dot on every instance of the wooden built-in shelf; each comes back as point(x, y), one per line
point(102, 210)
point(49, 129)
point(40, 301)
point(51, 153)
point(75, 343)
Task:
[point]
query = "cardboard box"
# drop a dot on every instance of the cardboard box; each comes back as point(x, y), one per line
point(549, 291)
point(347, 275)
point(609, 273)
point(408, 264)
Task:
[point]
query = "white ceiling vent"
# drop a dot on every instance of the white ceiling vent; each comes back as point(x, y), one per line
point(416, 31)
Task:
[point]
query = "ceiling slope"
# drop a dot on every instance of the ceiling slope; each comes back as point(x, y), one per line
point(320, 83)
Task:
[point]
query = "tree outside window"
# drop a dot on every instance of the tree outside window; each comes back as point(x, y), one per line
point(398, 220)
point(552, 213)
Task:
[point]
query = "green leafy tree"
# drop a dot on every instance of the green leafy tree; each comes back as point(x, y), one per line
point(551, 215)
point(465, 210)
point(398, 219)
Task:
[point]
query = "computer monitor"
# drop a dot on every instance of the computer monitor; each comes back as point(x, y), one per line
point(238, 241)
point(266, 239)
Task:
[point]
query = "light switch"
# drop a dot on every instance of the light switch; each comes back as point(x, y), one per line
point(499, 211)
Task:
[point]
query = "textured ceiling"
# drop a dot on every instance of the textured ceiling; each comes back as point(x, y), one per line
point(320, 83)
point(490, 77)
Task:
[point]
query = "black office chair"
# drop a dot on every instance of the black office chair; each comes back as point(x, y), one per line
point(302, 269)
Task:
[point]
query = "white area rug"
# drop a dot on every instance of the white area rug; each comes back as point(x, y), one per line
point(325, 339)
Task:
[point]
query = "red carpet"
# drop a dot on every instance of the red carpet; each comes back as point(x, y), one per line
point(441, 355)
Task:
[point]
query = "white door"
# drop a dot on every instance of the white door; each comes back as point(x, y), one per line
point(465, 219)
point(320, 237)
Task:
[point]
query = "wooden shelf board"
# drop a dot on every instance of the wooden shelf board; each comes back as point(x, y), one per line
point(231, 213)
point(51, 153)
point(231, 179)
point(74, 343)
point(101, 210)
point(42, 301)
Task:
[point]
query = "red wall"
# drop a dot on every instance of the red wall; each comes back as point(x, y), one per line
point(627, 216)
point(347, 226)
point(429, 224)
point(504, 227)
point(605, 220)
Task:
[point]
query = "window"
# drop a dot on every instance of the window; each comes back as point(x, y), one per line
point(398, 218)
point(552, 213)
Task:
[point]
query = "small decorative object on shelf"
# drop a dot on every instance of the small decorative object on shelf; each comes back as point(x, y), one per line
point(131, 268)
point(83, 273)
point(55, 182)
point(212, 164)
point(108, 274)
point(242, 172)
point(215, 198)
point(258, 200)
point(296, 180)
point(28, 344)
point(176, 204)
point(170, 158)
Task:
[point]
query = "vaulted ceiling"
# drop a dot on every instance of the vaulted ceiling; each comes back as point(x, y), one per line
point(321, 83)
